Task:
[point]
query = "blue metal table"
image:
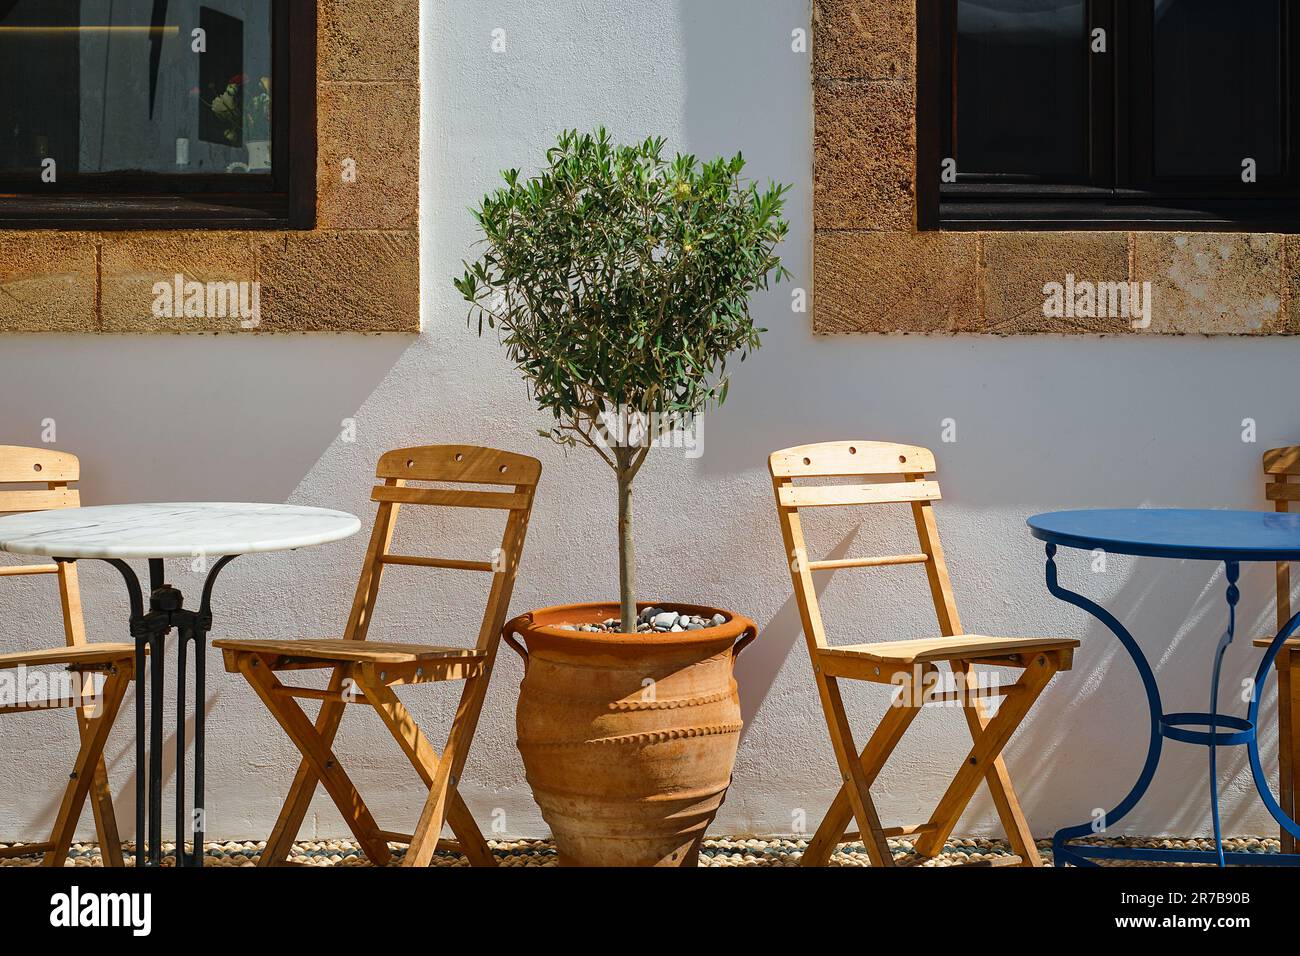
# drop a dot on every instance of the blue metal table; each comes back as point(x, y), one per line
point(1231, 537)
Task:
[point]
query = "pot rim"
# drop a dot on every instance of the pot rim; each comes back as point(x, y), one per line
point(735, 625)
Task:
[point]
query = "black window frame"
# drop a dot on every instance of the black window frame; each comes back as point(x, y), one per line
point(120, 201)
point(1120, 100)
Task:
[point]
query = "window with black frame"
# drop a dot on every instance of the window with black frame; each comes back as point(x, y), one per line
point(121, 114)
point(1126, 114)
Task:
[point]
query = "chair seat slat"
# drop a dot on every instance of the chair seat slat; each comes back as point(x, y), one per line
point(958, 647)
point(80, 655)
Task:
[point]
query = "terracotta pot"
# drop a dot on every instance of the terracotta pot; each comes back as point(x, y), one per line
point(628, 740)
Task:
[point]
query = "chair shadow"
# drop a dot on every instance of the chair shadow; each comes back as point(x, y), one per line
point(757, 668)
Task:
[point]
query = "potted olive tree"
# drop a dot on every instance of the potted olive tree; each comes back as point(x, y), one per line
point(620, 283)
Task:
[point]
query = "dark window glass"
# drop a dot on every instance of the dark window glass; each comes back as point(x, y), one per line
point(1218, 87)
point(1122, 114)
point(1021, 87)
point(117, 86)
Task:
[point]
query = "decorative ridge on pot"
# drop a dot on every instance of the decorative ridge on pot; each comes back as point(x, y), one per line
point(539, 622)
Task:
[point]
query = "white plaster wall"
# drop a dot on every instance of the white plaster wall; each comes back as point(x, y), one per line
point(1042, 423)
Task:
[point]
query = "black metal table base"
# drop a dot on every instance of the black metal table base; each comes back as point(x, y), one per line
point(149, 630)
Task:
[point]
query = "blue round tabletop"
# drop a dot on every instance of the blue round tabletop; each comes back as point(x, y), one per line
point(1188, 534)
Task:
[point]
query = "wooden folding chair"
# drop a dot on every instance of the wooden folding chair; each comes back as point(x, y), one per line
point(364, 672)
point(910, 665)
point(1279, 465)
point(36, 479)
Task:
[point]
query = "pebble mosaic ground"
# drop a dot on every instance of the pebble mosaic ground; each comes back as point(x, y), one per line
point(721, 852)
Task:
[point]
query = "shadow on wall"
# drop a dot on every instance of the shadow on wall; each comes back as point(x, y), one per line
point(756, 670)
point(246, 419)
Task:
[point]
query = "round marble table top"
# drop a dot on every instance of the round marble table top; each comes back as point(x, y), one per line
point(172, 530)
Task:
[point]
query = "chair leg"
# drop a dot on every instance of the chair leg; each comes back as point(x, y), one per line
point(425, 760)
point(856, 785)
point(1014, 823)
point(888, 733)
point(101, 803)
point(289, 822)
point(988, 745)
point(101, 794)
point(83, 775)
point(446, 776)
point(110, 838)
point(317, 753)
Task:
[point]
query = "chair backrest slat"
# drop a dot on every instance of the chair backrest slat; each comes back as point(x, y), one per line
point(830, 496)
point(449, 464)
point(37, 464)
point(467, 464)
point(451, 498)
point(44, 499)
point(845, 458)
point(1280, 491)
point(1282, 461)
point(853, 459)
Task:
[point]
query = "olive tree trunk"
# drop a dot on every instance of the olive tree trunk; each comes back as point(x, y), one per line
point(626, 550)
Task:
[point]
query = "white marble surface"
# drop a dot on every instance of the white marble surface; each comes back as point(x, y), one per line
point(179, 530)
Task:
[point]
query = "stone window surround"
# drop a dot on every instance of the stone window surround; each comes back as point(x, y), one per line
point(875, 272)
point(357, 271)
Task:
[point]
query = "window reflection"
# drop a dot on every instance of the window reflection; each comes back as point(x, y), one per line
point(135, 86)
